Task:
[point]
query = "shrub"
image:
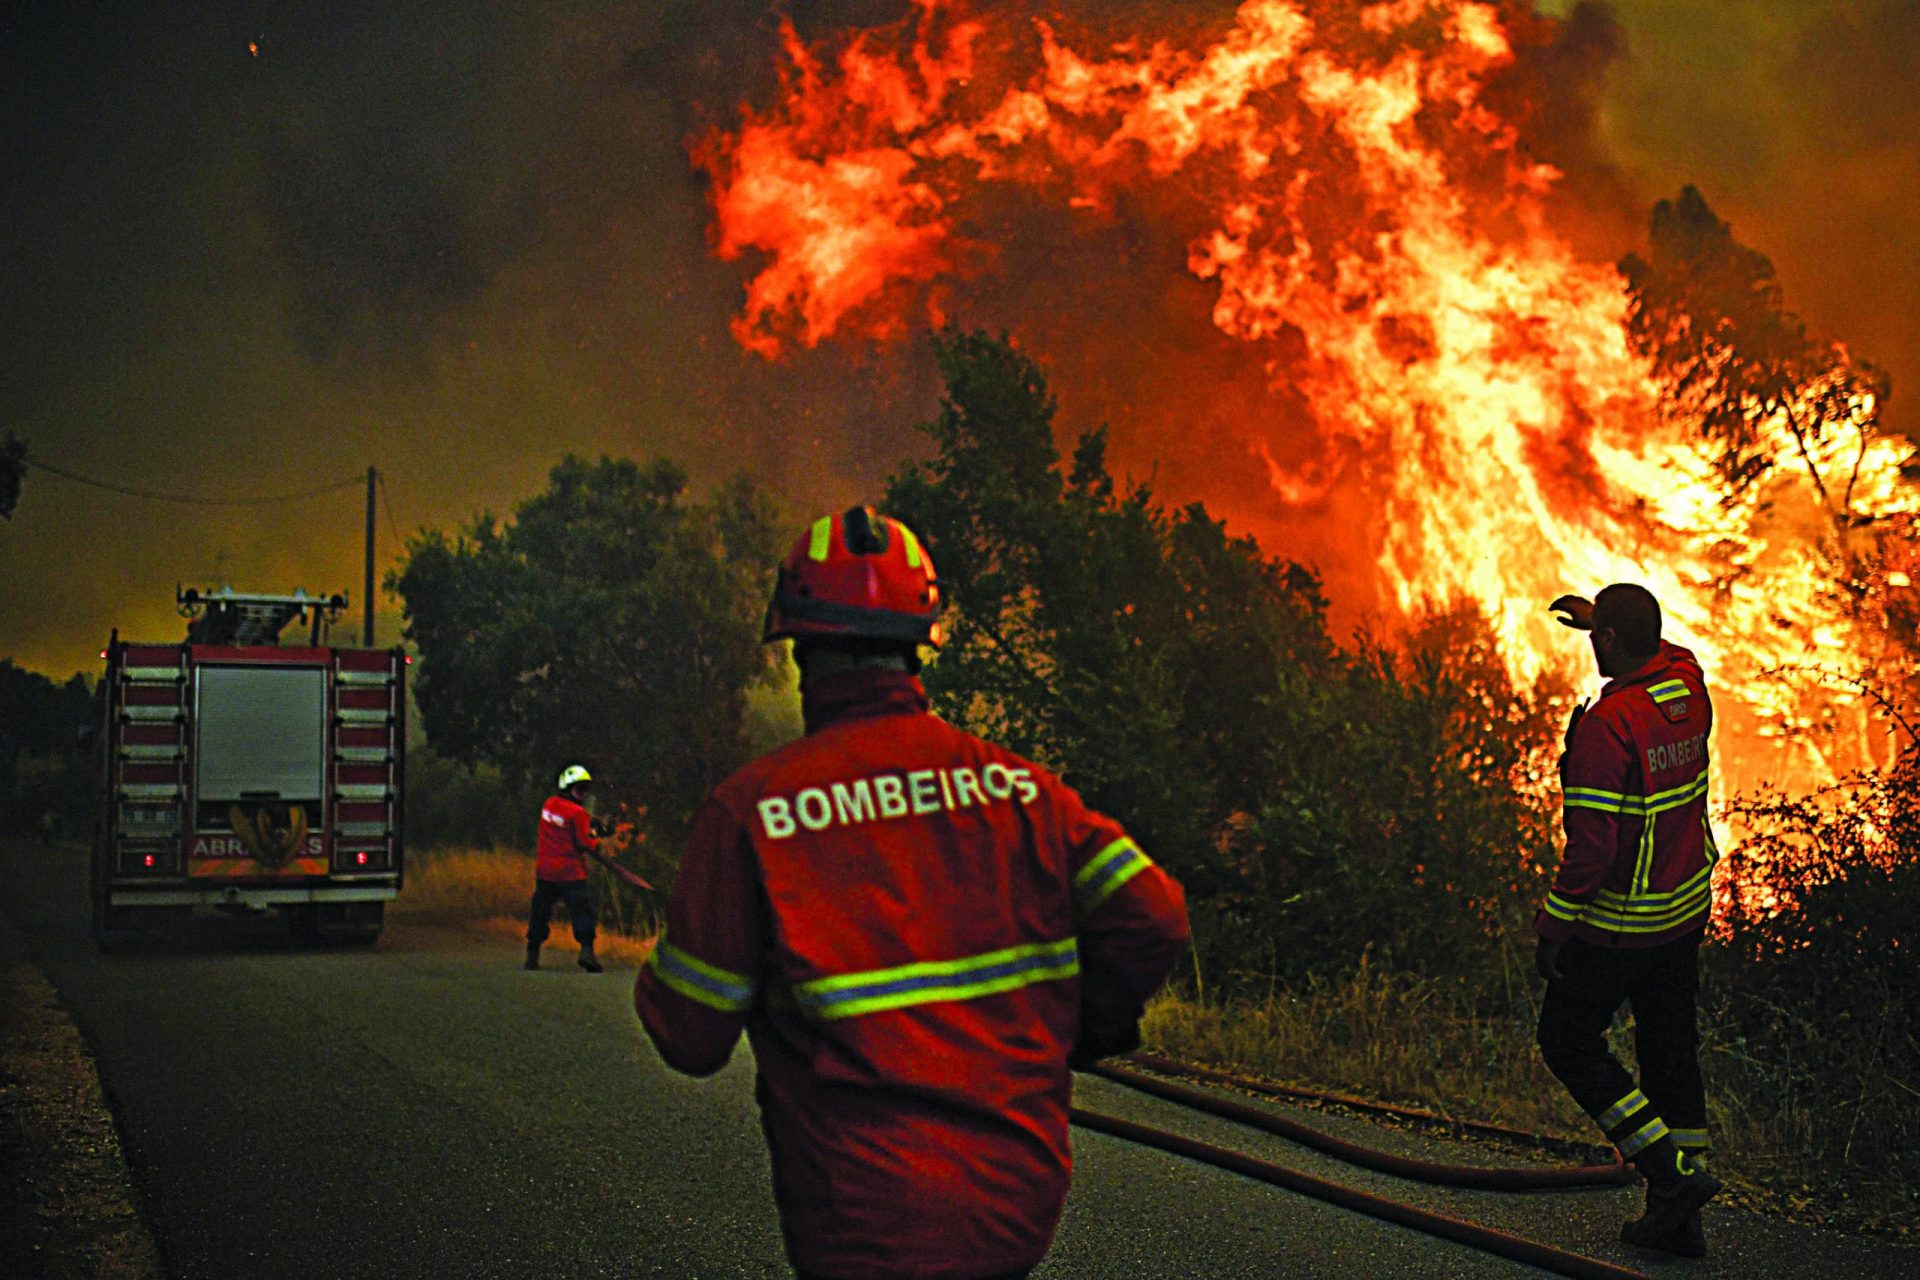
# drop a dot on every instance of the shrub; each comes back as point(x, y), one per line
point(1814, 994)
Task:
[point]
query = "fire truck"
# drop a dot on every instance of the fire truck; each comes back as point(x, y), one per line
point(243, 773)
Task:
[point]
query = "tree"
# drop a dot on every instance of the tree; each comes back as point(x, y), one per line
point(1089, 627)
point(1185, 682)
point(1712, 316)
point(40, 724)
point(1790, 414)
point(609, 621)
point(13, 469)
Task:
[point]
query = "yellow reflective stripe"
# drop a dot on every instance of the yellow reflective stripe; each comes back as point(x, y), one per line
point(697, 980)
point(1605, 802)
point(913, 545)
point(1638, 806)
point(1691, 1139)
point(1563, 908)
point(849, 995)
point(1673, 797)
point(1620, 1110)
point(1643, 860)
point(1643, 1137)
point(1105, 872)
point(820, 540)
point(1614, 922)
point(1616, 901)
point(1668, 690)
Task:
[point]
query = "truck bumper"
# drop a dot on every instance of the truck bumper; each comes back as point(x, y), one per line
point(253, 896)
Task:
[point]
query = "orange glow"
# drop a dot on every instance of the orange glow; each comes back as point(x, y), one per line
point(1376, 230)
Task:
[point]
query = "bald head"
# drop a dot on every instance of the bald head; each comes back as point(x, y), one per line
point(1633, 615)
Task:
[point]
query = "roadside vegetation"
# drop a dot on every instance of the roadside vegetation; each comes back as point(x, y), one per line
point(1365, 825)
point(1365, 828)
point(489, 889)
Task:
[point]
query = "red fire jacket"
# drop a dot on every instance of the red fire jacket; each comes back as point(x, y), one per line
point(915, 929)
point(566, 833)
point(1638, 869)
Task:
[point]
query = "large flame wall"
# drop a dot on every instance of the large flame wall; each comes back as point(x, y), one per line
point(1428, 371)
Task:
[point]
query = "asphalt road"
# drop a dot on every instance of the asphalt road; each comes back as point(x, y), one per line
point(427, 1109)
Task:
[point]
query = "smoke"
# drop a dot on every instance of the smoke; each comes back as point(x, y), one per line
point(456, 241)
point(1801, 123)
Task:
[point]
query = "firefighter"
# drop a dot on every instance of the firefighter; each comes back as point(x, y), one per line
point(560, 867)
point(919, 932)
point(1623, 921)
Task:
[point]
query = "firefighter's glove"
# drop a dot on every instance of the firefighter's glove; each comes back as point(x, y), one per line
point(1093, 1045)
point(1546, 958)
point(1573, 611)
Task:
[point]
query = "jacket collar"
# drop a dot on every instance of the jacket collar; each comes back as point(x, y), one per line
point(1661, 665)
point(858, 695)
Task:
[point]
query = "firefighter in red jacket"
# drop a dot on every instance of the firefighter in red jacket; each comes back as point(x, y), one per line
point(1623, 920)
point(918, 931)
point(560, 867)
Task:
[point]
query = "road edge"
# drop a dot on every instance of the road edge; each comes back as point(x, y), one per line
point(76, 1211)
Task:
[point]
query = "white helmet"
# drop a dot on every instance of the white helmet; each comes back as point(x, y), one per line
point(572, 776)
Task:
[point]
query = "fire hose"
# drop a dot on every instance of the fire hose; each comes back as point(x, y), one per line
point(618, 870)
point(1487, 1239)
point(1556, 1178)
point(1192, 1071)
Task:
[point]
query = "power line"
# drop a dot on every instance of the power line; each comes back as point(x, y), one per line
point(194, 499)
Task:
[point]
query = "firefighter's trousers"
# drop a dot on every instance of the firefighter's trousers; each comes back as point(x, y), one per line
point(1662, 985)
point(579, 900)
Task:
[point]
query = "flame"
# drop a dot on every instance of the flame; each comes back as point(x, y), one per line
point(1376, 230)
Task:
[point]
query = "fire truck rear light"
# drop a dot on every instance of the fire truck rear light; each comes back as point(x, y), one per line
point(409, 659)
point(148, 861)
point(361, 857)
point(103, 655)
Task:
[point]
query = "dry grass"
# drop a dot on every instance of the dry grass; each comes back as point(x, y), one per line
point(1379, 1036)
point(488, 890)
point(1396, 1039)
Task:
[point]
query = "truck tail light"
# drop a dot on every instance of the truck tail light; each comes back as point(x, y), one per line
point(151, 862)
point(379, 858)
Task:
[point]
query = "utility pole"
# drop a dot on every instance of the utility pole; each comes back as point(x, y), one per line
point(367, 636)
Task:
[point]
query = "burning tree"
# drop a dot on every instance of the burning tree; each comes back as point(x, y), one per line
point(1792, 425)
point(1183, 679)
point(1440, 391)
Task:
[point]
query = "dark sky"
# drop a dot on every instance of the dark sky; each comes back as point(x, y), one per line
point(454, 241)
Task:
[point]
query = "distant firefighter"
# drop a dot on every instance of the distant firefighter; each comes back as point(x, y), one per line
point(560, 867)
point(1623, 921)
point(920, 934)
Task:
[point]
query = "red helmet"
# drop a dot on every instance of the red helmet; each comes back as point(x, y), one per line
point(860, 574)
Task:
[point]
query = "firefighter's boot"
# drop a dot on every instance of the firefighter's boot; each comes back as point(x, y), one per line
point(1675, 1191)
point(533, 956)
point(588, 961)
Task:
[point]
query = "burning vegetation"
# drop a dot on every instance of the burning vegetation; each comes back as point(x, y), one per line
point(1427, 364)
